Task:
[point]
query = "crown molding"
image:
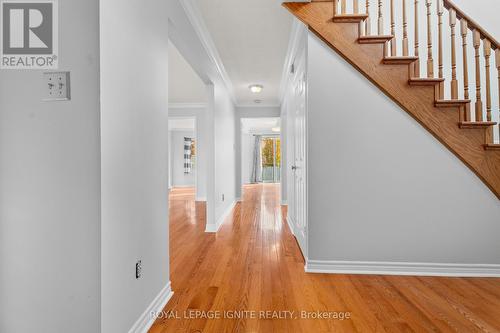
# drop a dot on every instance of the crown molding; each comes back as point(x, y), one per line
point(258, 106)
point(195, 17)
point(187, 105)
point(298, 28)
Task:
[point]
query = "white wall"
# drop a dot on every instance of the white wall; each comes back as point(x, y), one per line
point(247, 152)
point(202, 139)
point(381, 188)
point(225, 172)
point(49, 192)
point(484, 12)
point(49, 189)
point(134, 131)
point(187, 86)
point(179, 178)
point(258, 112)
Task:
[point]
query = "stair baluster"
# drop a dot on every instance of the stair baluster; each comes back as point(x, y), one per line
point(416, 70)
point(430, 60)
point(487, 55)
point(368, 29)
point(380, 30)
point(355, 9)
point(479, 102)
point(393, 31)
point(440, 13)
point(478, 146)
point(454, 82)
point(405, 30)
point(464, 30)
point(497, 53)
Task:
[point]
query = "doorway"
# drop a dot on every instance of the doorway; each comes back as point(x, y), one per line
point(270, 159)
point(260, 151)
point(296, 152)
point(187, 140)
point(183, 153)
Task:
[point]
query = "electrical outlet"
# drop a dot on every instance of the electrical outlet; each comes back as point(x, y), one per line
point(138, 269)
point(57, 86)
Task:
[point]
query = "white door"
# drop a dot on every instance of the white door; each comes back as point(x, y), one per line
point(299, 165)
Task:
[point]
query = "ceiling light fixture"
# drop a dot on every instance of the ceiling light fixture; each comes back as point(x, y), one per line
point(256, 88)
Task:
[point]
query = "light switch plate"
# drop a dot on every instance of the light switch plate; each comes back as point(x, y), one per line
point(57, 86)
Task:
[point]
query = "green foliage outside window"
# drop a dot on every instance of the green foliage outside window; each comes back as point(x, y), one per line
point(268, 152)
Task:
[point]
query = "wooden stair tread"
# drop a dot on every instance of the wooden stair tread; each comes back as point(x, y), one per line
point(375, 39)
point(492, 146)
point(424, 81)
point(350, 18)
point(399, 83)
point(399, 60)
point(451, 102)
point(476, 124)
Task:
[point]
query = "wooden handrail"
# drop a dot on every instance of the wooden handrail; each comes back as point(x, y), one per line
point(434, 18)
point(473, 25)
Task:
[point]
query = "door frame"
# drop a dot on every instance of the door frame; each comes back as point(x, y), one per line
point(170, 151)
point(300, 61)
point(275, 138)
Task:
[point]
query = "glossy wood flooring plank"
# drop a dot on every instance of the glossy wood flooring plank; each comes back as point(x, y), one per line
point(254, 264)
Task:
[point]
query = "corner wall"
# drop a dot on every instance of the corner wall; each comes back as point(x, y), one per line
point(134, 140)
point(50, 188)
point(381, 188)
point(224, 128)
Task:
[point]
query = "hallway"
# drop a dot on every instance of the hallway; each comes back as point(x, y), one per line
point(253, 263)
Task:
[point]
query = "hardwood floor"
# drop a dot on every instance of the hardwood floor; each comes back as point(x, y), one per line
point(253, 263)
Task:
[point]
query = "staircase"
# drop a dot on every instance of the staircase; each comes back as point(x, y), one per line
point(449, 89)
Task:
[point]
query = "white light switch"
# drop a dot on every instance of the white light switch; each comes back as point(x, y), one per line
point(57, 86)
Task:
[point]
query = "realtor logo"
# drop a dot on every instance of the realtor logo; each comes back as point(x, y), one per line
point(28, 34)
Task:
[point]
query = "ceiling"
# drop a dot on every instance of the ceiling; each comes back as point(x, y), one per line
point(251, 37)
point(184, 85)
point(260, 125)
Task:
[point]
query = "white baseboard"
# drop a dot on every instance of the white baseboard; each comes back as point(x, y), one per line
point(201, 199)
point(284, 203)
point(146, 320)
point(215, 227)
point(212, 228)
point(238, 199)
point(402, 268)
point(183, 186)
point(290, 224)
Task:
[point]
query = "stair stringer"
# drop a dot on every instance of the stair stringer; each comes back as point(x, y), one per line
point(393, 79)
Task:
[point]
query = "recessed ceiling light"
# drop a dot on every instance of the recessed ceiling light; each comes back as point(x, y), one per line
point(256, 88)
point(258, 101)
